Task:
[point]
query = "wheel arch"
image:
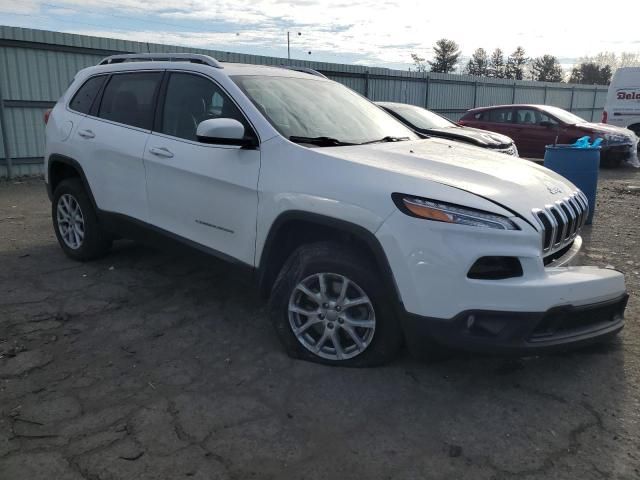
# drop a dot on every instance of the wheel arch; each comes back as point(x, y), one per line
point(635, 127)
point(294, 228)
point(61, 167)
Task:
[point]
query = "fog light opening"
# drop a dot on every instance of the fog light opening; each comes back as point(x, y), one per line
point(495, 268)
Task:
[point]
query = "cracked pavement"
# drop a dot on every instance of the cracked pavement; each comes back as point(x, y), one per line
point(145, 365)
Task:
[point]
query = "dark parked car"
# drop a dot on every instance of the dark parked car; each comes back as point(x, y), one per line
point(428, 123)
point(535, 126)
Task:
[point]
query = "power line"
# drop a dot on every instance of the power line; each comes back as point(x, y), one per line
point(48, 17)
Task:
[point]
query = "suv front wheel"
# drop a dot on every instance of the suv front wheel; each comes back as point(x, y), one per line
point(329, 305)
point(76, 224)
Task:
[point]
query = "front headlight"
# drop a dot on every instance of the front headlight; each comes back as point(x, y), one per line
point(450, 213)
point(515, 150)
point(612, 138)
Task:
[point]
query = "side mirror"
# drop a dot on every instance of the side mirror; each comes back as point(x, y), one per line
point(224, 131)
point(546, 123)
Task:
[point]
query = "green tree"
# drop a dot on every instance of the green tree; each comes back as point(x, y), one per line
point(447, 55)
point(478, 64)
point(419, 63)
point(591, 73)
point(497, 67)
point(546, 69)
point(516, 64)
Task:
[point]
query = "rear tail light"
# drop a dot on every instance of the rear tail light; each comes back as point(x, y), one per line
point(47, 114)
point(605, 116)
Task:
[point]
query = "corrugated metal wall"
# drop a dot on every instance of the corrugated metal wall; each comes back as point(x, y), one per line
point(36, 66)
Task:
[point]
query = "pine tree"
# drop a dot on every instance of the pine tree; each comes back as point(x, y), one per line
point(447, 55)
point(547, 69)
point(516, 64)
point(479, 63)
point(497, 67)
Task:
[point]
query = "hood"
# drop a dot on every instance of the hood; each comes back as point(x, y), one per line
point(475, 136)
point(514, 183)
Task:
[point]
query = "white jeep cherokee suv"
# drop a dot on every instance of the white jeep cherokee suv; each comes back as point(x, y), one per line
point(361, 234)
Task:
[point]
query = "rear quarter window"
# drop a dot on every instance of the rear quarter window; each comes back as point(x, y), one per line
point(86, 94)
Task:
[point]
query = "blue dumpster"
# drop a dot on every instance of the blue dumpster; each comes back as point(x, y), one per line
point(579, 165)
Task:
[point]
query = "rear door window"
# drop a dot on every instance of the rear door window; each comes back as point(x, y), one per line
point(531, 116)
point(129, 98)
point(86, 94)
point(498, 115)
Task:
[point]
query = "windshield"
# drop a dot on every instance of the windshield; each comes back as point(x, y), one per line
point(311, 108)
point(563, 115)
point(419, 117)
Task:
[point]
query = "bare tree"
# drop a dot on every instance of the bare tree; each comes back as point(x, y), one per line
point(419, 62)
point(613, 60)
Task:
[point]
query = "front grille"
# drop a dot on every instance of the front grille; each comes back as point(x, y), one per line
point(557, 254)
point(562, 221)
point(567, 321)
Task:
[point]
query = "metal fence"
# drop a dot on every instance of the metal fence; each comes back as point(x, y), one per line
point(37, 65)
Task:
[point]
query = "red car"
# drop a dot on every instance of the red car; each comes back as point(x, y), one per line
point(532, 127)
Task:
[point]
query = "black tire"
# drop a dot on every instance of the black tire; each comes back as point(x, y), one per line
point(610, 163)
point(335, 258)
point(96, 242)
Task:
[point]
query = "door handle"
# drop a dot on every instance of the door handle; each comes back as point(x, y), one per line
point(161, 152)
point(86, 133)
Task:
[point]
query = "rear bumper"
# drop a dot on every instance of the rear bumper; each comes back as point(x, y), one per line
point(520, 333)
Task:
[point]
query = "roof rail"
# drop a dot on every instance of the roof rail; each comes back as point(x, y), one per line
point(310, 71)
point(162, 57)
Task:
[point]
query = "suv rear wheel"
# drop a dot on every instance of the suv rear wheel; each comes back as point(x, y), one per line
point(76, 224)
point(328, 305)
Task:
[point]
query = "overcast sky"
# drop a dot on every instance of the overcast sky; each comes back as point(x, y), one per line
point(382, 33)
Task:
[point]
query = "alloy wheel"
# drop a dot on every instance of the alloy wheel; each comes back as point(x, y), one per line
point(331, 316)
point(70, 221)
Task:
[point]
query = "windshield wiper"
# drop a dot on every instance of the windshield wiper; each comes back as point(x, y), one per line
point(320, 141)
point(388, 138)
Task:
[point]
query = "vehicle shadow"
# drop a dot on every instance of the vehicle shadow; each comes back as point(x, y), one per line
point(199, 338)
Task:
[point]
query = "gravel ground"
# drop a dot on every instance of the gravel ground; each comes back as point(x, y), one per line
point(149, 366)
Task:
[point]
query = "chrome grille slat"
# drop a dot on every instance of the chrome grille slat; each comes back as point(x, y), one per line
point(576, 207)
point(574, 216)
point(562, 221)
point(554, 224)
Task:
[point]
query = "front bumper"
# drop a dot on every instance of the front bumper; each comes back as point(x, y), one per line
point(547, 307)
point(615, 153)
point(558, 328)
point(430, 262)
